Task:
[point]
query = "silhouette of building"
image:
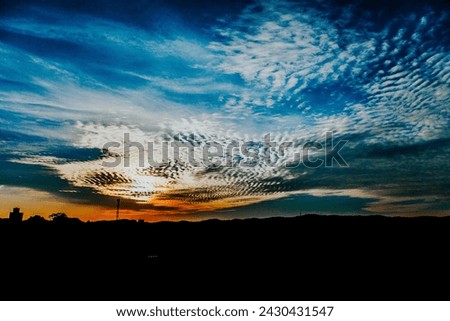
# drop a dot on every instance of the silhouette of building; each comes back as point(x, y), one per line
point(16, 215)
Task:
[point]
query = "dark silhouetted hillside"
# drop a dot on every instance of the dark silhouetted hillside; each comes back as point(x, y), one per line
point(307, 257)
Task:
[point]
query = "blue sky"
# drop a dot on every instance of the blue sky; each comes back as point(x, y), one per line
point(74, 76)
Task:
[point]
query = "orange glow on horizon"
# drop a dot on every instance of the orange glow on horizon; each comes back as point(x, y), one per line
point(34, 202)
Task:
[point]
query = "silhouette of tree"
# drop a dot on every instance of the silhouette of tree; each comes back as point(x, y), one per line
point(36, 219)
point(58, 217)
point(63, 218)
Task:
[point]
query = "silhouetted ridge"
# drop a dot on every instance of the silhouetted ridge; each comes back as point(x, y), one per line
point(309, 257)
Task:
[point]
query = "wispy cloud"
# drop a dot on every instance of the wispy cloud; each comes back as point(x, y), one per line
point(296, 70)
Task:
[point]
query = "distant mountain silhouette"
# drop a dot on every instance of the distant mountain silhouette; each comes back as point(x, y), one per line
point(308, 257)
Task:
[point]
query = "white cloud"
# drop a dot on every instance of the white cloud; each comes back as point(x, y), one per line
point(284, 50)
point(280, 53)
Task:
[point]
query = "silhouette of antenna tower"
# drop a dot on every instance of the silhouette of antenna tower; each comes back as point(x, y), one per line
point(117, 211)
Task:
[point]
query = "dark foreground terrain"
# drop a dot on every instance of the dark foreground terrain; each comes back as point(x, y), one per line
point(307, 257)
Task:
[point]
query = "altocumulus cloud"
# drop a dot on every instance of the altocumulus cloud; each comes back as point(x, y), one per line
point(74, 80)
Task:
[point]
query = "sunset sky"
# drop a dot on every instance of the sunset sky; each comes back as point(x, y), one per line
point(76, 75)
